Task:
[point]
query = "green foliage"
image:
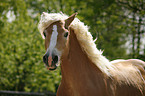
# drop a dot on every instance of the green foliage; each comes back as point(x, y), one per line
point(22, 48)
point(21, 54)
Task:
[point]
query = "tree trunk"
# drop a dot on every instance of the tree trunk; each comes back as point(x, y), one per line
point(139, 36)
point(133, 37)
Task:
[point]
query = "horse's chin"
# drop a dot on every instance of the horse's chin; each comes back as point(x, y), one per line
point(51, 69)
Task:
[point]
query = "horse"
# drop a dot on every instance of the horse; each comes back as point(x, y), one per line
point(85, 71)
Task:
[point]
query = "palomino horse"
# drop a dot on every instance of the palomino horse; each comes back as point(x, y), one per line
point(85, 71)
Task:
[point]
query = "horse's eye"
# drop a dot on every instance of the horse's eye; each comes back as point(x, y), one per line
point(44, 34)
point(66, 34)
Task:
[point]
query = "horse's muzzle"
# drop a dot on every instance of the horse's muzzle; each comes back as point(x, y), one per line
point(50, 61)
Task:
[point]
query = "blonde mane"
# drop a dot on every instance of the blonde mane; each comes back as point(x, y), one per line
point(84, 37)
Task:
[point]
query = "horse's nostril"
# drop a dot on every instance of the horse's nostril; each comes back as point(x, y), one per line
point(45, 59)
point(55, 59)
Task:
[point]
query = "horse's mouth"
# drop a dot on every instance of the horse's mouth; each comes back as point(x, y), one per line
point(52, 67)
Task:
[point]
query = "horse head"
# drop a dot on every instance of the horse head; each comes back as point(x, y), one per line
point(56, 35)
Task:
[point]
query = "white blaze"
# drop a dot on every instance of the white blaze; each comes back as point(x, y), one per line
point(53, 40)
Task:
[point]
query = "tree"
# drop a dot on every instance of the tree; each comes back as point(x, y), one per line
point(21, 53)
point(136, 11)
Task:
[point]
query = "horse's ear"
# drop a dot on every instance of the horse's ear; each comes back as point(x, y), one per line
point(69, 20)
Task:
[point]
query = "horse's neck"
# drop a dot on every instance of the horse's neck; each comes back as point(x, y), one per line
point(77, 68)
point(76, 57)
